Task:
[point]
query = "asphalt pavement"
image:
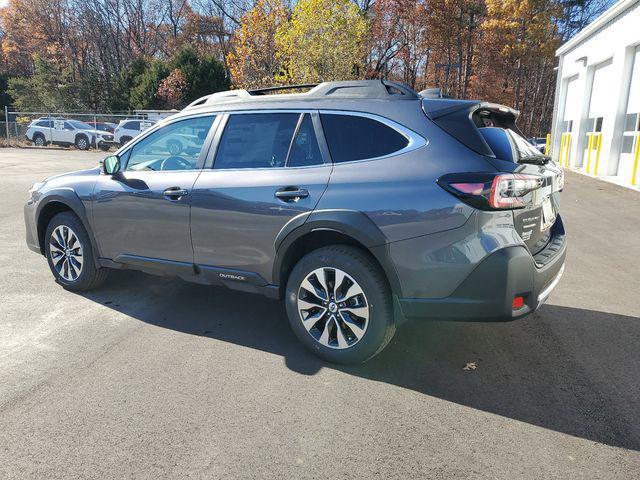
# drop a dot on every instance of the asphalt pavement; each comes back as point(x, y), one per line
point(157, 378)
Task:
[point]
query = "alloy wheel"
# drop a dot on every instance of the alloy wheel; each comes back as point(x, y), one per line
point(39, 142)
point(65, 251)
point(82, 143)
point(333, 308)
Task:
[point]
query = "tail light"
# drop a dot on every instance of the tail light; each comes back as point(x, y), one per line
point(492, 191)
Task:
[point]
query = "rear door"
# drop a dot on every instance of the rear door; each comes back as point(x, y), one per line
point(268, 169)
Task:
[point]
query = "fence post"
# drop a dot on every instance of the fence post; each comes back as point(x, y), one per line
point(6, 121)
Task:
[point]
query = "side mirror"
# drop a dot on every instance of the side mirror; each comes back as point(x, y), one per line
point(111, 165)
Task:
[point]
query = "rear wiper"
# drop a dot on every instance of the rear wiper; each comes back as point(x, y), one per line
point(535, 159)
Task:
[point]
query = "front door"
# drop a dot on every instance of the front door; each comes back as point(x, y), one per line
point(268, 169)
point(141, 215)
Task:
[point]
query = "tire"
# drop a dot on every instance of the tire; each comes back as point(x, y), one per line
point(87, 276)
point(175, 147)
point(82, 143)
point(358, 329)
point(39, 140)
point(124, 141)
point(104, 148)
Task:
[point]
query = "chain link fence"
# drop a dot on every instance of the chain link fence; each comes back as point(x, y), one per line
point(55, 126)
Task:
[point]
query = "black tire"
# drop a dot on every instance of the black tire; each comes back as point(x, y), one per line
point(82, 142)
point(89, 276)
point(39, 140)
point(358, 265)
point(124, 141)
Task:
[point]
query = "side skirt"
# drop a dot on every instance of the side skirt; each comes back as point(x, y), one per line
point(241, 280)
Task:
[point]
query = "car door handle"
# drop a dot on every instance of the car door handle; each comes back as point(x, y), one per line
point(291, 194)
point(175, 193)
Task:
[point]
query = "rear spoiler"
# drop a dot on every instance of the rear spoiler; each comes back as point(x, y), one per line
point(462, 118)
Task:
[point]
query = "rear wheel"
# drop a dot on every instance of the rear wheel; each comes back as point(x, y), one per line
point(339, 304)
point(70, 254)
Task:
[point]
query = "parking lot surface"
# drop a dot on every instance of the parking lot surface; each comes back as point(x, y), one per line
point(157, 378)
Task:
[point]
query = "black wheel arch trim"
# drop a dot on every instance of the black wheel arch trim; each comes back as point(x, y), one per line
point(70, 199)
point(351, 223)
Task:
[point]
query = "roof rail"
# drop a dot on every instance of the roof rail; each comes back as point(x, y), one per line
point(264, 91)
point(226, 95)
point(372, 89)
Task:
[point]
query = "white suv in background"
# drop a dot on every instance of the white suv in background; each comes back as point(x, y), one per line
point(129, 129)
point(59, 131)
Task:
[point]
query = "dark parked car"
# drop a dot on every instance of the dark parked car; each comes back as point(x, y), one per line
point(104, 126)
point(360, 204)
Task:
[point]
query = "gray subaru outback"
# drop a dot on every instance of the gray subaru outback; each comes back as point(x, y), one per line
point(361, 204)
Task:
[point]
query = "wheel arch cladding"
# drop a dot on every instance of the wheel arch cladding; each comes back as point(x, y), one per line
point(58, 202)
point(334, 227)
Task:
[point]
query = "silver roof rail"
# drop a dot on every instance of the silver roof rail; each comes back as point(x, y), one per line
point(226, 95)
point(361, 89)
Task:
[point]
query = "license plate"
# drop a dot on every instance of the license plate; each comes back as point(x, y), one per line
point(548, 214)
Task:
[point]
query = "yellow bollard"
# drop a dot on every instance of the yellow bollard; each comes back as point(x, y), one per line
point(547, 146)
point(598, 145)
point(563, 142)
point(567, 159)
point(589, 147)
point(636, 158)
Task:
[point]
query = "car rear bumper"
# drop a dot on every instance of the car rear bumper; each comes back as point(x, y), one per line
point(487, 294)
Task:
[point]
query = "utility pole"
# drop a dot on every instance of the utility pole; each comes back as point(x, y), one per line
point(6, 120)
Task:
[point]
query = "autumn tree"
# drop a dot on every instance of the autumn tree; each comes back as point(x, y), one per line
point(253, 61)
point(518, 51)
point(324, 40)
point(203, 74)
point(171, 91)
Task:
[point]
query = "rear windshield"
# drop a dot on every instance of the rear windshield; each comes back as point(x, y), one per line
point(507, 144)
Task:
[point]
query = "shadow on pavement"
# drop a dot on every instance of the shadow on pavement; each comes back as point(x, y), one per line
point(565, 369)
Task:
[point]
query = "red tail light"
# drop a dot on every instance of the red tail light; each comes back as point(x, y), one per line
point(492, 191)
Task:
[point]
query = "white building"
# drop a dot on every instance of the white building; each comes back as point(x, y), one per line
point(596, 119)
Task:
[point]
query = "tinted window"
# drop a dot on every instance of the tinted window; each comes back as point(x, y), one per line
point(257, 140)
point(352, 137)
point(498, 142)
point(173, 147)
point(304, 149)
point(44, 123)
point(132, 126)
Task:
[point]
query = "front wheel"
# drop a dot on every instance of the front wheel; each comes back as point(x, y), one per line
point(82, 143)
point(339, 304)
point(70, 254)
point(39, 140)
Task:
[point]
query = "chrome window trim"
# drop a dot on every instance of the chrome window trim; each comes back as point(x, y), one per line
point(415, 140)
point(210, 160)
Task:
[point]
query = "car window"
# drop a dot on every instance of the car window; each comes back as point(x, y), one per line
point(352, 137)
point(175, 146)
point(132, 126)
point(68, 126)
point(43, 123)
point(304, 149)
point(256, 140)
